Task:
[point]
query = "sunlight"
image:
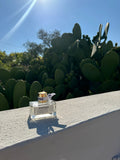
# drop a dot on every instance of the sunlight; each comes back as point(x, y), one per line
point(17, 25)
point(22, 8)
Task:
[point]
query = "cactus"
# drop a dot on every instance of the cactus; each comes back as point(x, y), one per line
point(4, 75)
point(24, 101)
point(9, 90)
point(67, 39)
point(73, 83)
point(108, 85)
point(69, 96)
point(48, 89)
point(90, 70)
point(3, 103)
point(60, 91)
point(77, 92)
point(109, 64)
point(61, 67)
point(59, 76)
point(20, 75)
point(77, 31)
point(44, 77)
point(2, 89)
point(31, 76)
point(49, 82)
point(19, 91)
point(14, 71)
point(109, 45)
point(34, 89)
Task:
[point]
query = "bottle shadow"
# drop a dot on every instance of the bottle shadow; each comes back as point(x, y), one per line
point(45, 126)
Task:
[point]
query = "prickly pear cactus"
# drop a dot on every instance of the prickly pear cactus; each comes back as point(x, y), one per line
point(108, 85)
point(24, 101)
point(3, 103)
point(4, 75)
point(19, 91)
point(34, 89)
point(59, 76)
point(9, 90)
point(109, 64)
point(77, 31)
point(90, 70)
point(48, 89)
point(69, 96)
point(17, 73)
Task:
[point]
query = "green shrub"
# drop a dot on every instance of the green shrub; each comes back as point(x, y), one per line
point(19, 91)
point(34, 89)
point(3, 103)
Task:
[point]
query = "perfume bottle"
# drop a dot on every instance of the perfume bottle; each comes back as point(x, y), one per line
point(45, 107)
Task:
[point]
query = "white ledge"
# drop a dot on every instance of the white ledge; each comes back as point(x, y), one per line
point(16, 127)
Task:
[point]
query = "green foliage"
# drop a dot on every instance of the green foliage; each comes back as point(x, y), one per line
point(73, 83)
point(65, 67)
point(77, 31)
point(90, 71)
point(24, 101)
point(78, 93)
point(19, 91)
point(61, 67)
point(10, 84)
point(44, 77)
point(31, 76)
point(69, 96)
point(27, 88)
point(34, 89)
point(108, 85)
point(17, 73)
point(3, 103)
point(2, 90)
point(109, 45)
point(49, 82)
point(59, 76)
point(49, 89)
point(60, 91)
point(109, 64)
point(4, 75)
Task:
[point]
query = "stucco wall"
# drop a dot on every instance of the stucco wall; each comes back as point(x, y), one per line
point(96, 139)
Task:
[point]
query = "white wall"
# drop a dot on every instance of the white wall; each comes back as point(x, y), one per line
point(96, 139)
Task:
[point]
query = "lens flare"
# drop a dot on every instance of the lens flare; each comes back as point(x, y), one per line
point(21, 20)
point(21, 9)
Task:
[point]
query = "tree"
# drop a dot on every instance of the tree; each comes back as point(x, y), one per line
point(47, 37)
point(34, 49)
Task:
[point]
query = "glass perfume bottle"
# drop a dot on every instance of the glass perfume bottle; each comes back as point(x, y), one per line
point(45, 107)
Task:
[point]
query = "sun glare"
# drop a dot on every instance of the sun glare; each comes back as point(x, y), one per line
point(20, 21)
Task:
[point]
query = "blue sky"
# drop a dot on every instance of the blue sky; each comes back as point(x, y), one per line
point(21, 20)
